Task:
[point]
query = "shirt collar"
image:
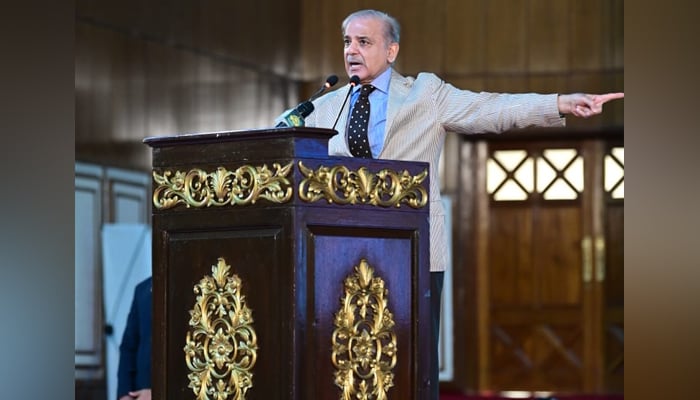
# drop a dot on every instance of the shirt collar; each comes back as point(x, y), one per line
point(381, 82)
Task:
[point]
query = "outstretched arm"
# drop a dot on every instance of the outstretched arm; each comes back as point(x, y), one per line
point(585, 105)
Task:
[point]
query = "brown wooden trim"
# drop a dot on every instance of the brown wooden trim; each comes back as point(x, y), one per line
point(563, 135)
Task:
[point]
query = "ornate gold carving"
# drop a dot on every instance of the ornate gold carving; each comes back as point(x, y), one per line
point(199, 188)
point(221, 345)
point(340, 185)
point(364, 344)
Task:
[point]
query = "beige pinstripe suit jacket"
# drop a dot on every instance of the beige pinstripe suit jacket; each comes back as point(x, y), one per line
point(420, 112)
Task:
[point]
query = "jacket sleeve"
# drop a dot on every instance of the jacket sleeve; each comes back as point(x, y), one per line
point(464, 111)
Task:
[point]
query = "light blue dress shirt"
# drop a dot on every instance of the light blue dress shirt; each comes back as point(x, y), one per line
point(378, 100)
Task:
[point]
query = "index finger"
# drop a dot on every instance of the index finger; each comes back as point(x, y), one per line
point(611, 96)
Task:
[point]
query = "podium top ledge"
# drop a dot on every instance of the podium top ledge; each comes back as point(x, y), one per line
point(226, 136)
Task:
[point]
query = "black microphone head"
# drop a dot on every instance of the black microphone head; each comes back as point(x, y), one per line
point(332, 80)
point(354, 80)
point(305, 108)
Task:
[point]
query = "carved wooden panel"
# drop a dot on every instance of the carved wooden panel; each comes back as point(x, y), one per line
point(258, 255)
point(336, 251)
point(292, 280)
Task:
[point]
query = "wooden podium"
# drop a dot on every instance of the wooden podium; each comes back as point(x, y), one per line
point(282, 273)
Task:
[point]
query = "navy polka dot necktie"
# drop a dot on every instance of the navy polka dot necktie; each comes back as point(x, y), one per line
point(357, 128)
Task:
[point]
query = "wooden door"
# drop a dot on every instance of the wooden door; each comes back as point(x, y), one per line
point(534, 255)
point(611, 266)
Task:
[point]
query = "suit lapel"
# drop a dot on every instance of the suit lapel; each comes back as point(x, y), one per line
point(398, 91)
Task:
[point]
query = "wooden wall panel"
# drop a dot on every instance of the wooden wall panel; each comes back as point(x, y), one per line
point(475, 84)
point(587, 44)
point(542, 248)
point(421, 37)
point(614, 111)
point(546, 82)
point(506, 36)
point(557, 256)
point(613, 43)
point(94, 80)
point(507, 83)
point(130, 89)
point(260, 33)
point(548, 36)
point(511, 228)
point(615, 256)
point(464, 38)
point(151, 68)
point(322, 41)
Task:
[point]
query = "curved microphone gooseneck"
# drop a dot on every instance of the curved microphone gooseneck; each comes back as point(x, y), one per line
point(354, 81)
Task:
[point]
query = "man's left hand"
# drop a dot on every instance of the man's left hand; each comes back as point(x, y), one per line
point(585, 105)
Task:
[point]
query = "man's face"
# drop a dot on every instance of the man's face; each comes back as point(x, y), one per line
point(367, 53)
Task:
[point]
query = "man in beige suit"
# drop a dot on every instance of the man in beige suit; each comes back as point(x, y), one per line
point(409, 118)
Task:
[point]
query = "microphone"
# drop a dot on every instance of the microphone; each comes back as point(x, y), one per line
point(295, 117)
point(330, 82)
point(354, 81)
